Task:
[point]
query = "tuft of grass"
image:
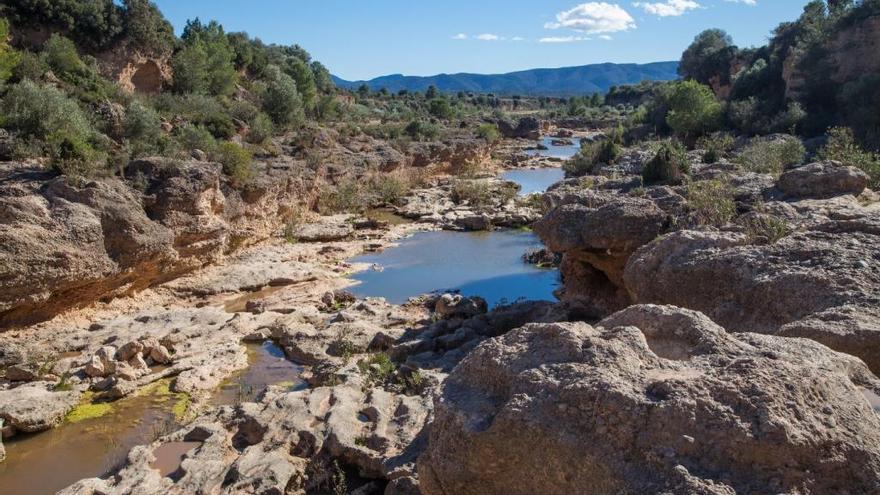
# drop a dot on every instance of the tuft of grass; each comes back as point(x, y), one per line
point(669, 166)
point(771, 157)
point(711, 202)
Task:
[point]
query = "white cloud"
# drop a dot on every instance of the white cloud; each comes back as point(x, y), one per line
point(594, 18)
point(605, 37)
point(460, 36)
point(669, 8)
point(563, 39)
point(488, 37)
point(747, 2)
point(517, 38)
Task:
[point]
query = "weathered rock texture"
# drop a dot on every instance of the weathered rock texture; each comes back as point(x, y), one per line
point(64, 244)
point(652, 400)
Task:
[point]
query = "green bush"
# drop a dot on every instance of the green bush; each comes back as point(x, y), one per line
point(282, 101)
point(346, 197)
point(261, 129)
point(440, 108)
point(592, 154)
point(715, 147)
point(9, 58)
point(192, 137)
point(236, 161)
point(765, 156)
point(842, 147)
point(387, 189)
point(711, 202)
point(489, 132)
point(669, 166)
point(421, 131)
point(142, 129)
point(693, 110)
point(61, 55)
point(48, 118)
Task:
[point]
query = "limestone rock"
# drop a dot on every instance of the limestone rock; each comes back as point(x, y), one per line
point(652, 400)
point(822, 180)
point(458, 306)
point(32, 408)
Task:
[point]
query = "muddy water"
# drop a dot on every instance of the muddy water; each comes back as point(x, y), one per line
point(46, 462)
point(486, 264)
point(534, 180)
point(268, 366)
point(563, 152)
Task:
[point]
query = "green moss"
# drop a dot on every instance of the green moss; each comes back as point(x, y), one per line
point(181, 406)
point(88, 409)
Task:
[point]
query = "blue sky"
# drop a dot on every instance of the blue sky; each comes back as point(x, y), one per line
point(360, 40)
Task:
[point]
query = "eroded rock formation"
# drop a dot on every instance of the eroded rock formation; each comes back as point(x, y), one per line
point(652, 400)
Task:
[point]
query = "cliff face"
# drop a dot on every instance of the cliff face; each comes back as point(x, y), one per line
point(136, 71)
point(65, 244)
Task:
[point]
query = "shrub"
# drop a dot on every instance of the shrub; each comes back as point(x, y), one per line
point(282, 101)
point(763, 228)
point(54, 125)
point(236, 161)
point(842, 147)
point(142, 128)
point(420, 131)
point(9, 58)
point(441, 108)
point(475, 192)
point(193, 137)
point(261, 129)
point(60, 54)
point(489, 132)
point(73, 156)
point(669, 166)
point(346, 197)
point(715, 147)
point(766, 156)
point(693, 110)
point(387, 189)
point(711, 202)
point(592, 154)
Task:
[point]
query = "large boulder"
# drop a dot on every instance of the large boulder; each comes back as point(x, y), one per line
point(525, 128)
point(822, 180)
point(652, 400)
point(597, 234)
point(32, 408)
point(801, 283)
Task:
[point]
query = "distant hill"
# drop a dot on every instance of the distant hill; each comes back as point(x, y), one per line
point(566, 81)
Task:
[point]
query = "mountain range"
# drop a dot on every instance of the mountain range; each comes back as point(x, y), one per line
point(565, 81)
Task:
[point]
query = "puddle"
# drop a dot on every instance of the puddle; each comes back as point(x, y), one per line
point(43, 463)
point(535, 180)
point(267, 366)
point(552, 151)
point(169, 456)
point(387, 216)
point(239, 304)
point(486, 264)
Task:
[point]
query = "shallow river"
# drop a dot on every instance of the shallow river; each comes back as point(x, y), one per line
point(486, 264)
point(564, 152)
point(43, 463)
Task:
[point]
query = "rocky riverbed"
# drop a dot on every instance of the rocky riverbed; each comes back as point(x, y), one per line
point(685, 356)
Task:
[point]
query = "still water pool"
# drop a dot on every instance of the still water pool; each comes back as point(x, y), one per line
point(534, 180)
point(564, 152)
point(485, 264)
